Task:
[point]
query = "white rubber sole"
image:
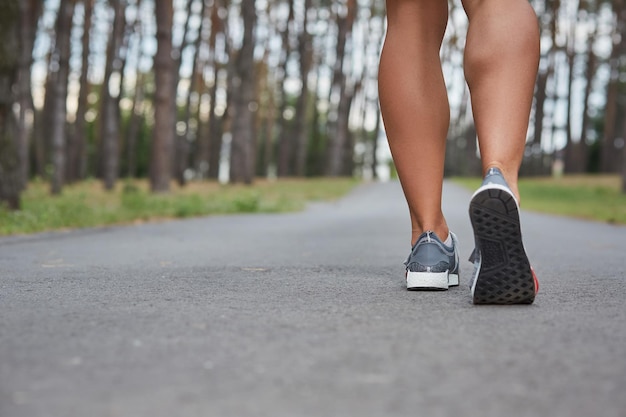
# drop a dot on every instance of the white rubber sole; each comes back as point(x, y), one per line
point(431, 280)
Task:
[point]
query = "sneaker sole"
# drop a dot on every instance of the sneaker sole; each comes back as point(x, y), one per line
point(504, 275)
point(424, 281)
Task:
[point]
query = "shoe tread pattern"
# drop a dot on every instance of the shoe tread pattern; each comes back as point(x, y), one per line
point(505, 276)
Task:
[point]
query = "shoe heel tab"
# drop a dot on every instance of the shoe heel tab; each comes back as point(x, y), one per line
point(494, 176)
point(493, 171)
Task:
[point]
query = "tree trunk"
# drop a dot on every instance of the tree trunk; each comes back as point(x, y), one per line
point(77, 155)
point(214, 142)
point(571, 57)
point(285, 136)
point(60, 72)
point(134, 123)
point(589, 73)
point(301, 132)
point(337, 132)
point(266, 115)
point(571, 151)
point(530, 167)
point(610, 117)
point(41, 138)
point(344, 135)
point(624, 160)
point(191, 134)
point(316, 163)
point(199, 153)
point(164, 100)
point(111, 94)
point(540, 100)
point(10, 170)
point(181, 143)
point(541, 94)
point(268, 161)
point(624, 170)
point(135, 118)
point(608, 152)
point(243, 150)
point(374, 159)
point(30, 10)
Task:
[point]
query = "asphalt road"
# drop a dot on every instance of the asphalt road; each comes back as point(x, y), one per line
point(305, 314)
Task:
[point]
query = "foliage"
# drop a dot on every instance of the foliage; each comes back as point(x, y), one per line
point(87, 204)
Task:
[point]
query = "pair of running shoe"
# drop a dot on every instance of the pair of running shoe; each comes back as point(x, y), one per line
point(502, 272)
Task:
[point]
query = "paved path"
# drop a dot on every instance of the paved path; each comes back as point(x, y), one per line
point(305, 315)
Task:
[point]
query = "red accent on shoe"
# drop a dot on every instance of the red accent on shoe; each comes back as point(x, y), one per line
point(536, 280)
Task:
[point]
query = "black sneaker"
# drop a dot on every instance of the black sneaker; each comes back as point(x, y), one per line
point(432, 265)
point(502, 272)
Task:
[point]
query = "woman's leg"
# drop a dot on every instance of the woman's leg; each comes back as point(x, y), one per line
point(501, 60)
point(414, 106)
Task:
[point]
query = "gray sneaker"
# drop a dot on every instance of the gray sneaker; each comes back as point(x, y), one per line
point(432, 265)
point(502, 272)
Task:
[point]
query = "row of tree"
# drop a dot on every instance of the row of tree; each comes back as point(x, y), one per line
point(235, 89)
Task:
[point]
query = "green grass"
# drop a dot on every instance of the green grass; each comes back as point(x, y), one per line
point(87, 204)
point(593, 197)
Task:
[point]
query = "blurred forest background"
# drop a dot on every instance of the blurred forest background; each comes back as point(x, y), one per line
point(234, 90)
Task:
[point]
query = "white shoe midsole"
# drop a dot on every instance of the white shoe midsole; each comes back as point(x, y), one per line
point(453, 280)
point(440, 280)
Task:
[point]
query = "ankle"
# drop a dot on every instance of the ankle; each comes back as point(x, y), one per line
point(442, 233)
